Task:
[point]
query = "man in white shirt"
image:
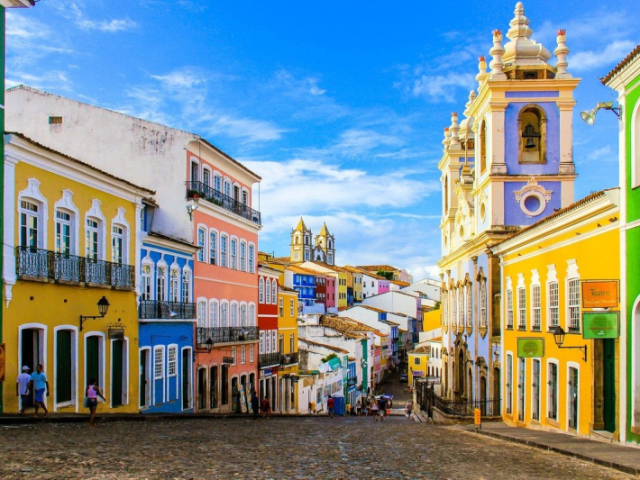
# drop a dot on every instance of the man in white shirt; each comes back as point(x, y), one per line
point(22, 388)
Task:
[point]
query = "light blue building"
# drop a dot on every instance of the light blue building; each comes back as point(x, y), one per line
point(167, 316)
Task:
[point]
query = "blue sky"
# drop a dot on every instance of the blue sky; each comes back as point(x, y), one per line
point(339, 106)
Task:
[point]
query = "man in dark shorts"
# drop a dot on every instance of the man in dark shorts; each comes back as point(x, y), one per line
point(382, 407)
point(265, 407)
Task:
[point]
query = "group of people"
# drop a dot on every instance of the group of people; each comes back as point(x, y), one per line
point(377, 408)
point(37, 383)
point(258, 407)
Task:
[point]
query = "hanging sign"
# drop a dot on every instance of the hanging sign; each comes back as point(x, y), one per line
point(530, 347)
point(600, 325)
point(599, 293)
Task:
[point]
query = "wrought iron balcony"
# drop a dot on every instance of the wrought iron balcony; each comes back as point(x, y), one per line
point(226, 335)
point(289, 358)
point(210, 194)
point(166, 310)
point(45, 264)
point(269, 359)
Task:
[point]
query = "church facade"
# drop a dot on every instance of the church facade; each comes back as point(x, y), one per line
point(306, 248)
point(507, 164)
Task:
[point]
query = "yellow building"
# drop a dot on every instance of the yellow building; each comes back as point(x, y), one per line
point(559, 289)
point(70, 242)
point(288, 338)
point(418, 363)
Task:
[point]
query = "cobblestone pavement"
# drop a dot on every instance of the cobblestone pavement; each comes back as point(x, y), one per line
point(275, 448)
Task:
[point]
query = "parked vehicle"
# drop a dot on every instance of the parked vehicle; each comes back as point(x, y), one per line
point(404, 378)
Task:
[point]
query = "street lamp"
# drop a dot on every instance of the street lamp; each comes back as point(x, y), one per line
point(558, 337)
point(209, 345)
point(103, 308)
point(590, 116)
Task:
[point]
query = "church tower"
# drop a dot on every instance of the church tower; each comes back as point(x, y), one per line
point(325, 243)
point(301, 243)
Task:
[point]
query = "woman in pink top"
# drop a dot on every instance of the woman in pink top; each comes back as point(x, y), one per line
point(92, 393)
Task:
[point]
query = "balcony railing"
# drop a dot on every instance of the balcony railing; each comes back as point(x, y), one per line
point(169, 310)
point(267, 359)
point(45, 264)
point(289, 358)
point(226, 335)
point(210, 194)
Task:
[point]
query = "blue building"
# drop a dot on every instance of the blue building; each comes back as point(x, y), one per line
point(167, 316)
point(304, 281)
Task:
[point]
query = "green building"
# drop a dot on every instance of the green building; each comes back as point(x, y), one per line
point(625, 79)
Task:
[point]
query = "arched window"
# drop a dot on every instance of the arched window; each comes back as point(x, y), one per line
point(274, 291)
point(161, 283)
point(234, 253)
point(234, 315)
point(261, 290)
point(174, 284)
point(146, 282)
point(268, 292)
point(243, 315)
point(186, 285)
point(243, 256)
point(251, 259)
point(202, 313)
point(202, 232)
point(118, 244)
point(224, 240)
point(213, 247)
point(224, 314)
point(213, 314)
point(252, 315)
point(532, 125)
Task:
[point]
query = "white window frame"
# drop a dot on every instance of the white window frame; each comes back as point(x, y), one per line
point(214, 314)
point(267, 290)
point(161, 282)
point(233, 252)
point(33, 195)
point(243, 256)
point(186, 284)
point(233, 314)
point(202, 242)
point(213, 247)
point(292, 311)
point(146, 281)
point(66, 204)
point(251, 258)
point(224, 246)
point(172, 365)
point(161, 374)
point(252, 314)
point(174, 284)
point(572, 300)
point(548, 392)
point(60, 223)
point(261, 290)
point(202, 313)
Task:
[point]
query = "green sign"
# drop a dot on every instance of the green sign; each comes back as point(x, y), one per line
point(530, 347)
point(600, 325)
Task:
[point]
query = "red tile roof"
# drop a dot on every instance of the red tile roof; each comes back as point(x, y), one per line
point(634, 53)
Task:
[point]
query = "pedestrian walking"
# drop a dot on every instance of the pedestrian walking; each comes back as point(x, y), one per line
point(255, 404)
point(330, 406)
point(91, 400)
point(22, 389)
point(408, 408)
point(358, 407)
point(382, 408)
point(40, 386)
point(374, 411)
point(265, 407)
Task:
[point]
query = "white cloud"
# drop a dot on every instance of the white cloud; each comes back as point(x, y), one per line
point(442, 88)
point(73, 10)
point(603, 154)
point(609, 55)
point(356, 141)
point(246, 128)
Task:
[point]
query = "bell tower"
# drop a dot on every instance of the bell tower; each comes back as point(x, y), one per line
point(522, 120)
point(301, 243)
point(326, 243)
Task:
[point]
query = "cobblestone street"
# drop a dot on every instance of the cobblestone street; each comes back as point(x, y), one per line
point(278, 448)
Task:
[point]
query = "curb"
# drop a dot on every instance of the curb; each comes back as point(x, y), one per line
point(598, 461)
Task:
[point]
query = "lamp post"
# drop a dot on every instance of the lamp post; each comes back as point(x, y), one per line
point(209, 345)
point(103, 308)
point(558, 337)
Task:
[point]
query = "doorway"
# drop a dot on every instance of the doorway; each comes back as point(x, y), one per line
point(92, 358)
point(535, 392)
point(202, 387)
point(609, 387)
point(64, 367)
point(186, 378)
point(521, 388)
point(213, 387)
point(117, 372)
point(573, 398)
point(144, 379)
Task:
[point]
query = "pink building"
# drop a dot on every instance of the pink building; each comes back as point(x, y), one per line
point(226, 228)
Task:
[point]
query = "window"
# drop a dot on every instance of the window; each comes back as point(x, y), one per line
point(509, 308)
point(118, 249)
point(186, 286)
point(461, 306)
point(454, 307)
point(533, 128)
point(92, 239)
point(273, 341)
point(251, 260)
point(245, 197)
point(217, 182)
point(243, 354)
point(243, 315)
point(234, 253)
point(158, 363)
point(174, 285)
point(201, 242)
point(213, 242)
point(206, 177)
point(234, 315)
point(281, 307)
point(227, 189)
point(261, 290)
point(252, 315)
point(522, 309)
point(224, 314)
point(63, 232)
point(573, 314)
point(29, 224)
point(483, 303)
point(173, 361)
point(202, 314)
point(243, 256)
point(195, 167)
point(553, 304)
point(223, 250)
point(161, 292)
point(145, 281)
point(535, 298)
point(469, 305)
point(291, 308)
point(281, 343)
point(250, 353)
point(274, 291)
point(268, 292)
point(291, 346)
point(213, 314)
point(233, 354)
point(262, 345)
